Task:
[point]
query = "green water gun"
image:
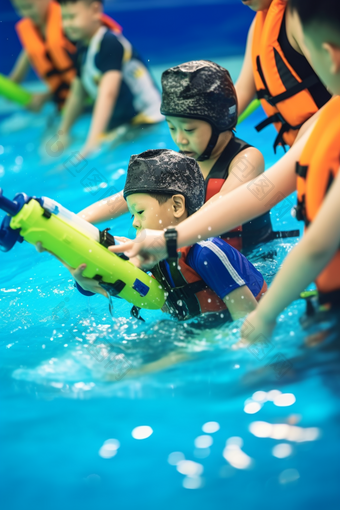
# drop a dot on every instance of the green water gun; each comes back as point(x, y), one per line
point(75, 241)
point(14, 92)
point(254, 105)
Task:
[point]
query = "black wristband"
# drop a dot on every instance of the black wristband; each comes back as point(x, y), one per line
point(170, 236)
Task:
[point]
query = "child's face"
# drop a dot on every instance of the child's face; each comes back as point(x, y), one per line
point(257, 5)
point(34, 9)
point(323, 46)
point(80, 19)
point(148, 213)
point(190, 135)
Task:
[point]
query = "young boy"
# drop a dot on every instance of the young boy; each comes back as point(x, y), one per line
point(109, 71)
point(46, 49)
point(277, 69)
point(200, 105)
point(317, 256)
point(162, 189)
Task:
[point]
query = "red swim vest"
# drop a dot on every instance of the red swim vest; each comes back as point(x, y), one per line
point(284, 95)
point(216, 179)
point(316, 170)
point(191, 296)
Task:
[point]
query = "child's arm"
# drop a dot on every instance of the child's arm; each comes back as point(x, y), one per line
point(302, 265)
point(245, 85)
point(21, 68)
point(107, 95)
point(73, 106)
point(240, 302)
point(106, 209)
point(19, 73)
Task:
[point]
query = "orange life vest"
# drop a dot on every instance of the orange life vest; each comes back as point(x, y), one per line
point(284, 95)
point(50, 57)
point(191, 296)
point(317, 168)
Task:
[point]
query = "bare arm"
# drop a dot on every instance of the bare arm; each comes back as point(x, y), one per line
point(240, 302)
point(106, 209)
point(307, 260)
point(245, 85)
point(107, 95)
point(73, 106)
point(21, 68)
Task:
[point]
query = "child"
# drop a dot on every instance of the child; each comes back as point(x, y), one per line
point(317, 181)
point(162, 189)
point(277, 69)
point(46, 49)
point(109, 71)
point(200, 105)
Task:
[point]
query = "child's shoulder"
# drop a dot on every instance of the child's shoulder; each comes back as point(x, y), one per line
point(212, 248)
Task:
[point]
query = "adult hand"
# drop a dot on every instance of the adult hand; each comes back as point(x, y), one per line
point(255, 329)
point(146, 250)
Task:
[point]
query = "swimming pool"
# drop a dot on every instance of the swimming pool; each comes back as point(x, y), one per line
point(211, 428)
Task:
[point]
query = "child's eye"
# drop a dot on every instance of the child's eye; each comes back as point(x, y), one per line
point(132, 216)
point(189, 130)
point(140, 212)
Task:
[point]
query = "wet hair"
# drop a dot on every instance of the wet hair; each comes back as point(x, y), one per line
point(161, 199)
point(163, 173)
point(316, 11)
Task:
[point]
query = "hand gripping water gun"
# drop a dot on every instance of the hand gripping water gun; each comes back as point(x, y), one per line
point(75, 241)
point(14, 92)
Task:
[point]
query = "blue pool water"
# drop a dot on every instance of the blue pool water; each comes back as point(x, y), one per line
point(107, 412)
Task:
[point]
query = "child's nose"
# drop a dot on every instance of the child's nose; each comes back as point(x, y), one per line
point(136, 223)
point(181, 139)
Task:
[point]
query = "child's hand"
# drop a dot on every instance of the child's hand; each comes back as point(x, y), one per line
point(86, 283)
point(255, 329)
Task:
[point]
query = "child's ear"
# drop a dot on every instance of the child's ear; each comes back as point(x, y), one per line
point(334, 53)
point(97, 8)
point(178, 205)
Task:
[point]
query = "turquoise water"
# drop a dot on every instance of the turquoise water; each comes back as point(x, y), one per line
point(107, 412)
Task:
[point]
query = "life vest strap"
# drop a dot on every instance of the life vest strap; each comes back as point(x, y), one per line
point(300, 214)
point(287, 94)
point(269, 120)
point(279, 140)
point(135, 312)
point(301, 170)
point(181, 299)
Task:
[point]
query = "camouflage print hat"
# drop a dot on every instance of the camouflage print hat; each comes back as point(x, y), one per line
point(200, 90)
point(166, 172)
